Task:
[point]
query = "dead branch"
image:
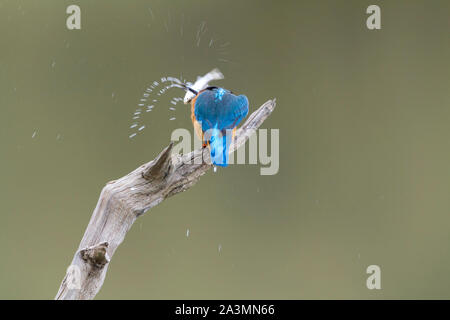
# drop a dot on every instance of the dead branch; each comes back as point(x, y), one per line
point(122, 201)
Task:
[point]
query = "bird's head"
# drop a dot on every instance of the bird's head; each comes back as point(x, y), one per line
point(201, 83)
point(190, 94)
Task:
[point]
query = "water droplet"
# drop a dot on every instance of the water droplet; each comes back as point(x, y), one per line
point(187, 233)
point(34, 135)
point(132, 135)
point(150, 94)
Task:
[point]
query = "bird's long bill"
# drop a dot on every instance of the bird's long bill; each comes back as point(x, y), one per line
point(191, 90)
point(185, 87)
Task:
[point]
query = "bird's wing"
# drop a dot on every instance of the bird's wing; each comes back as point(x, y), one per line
point(233, 110)
point(222, 114)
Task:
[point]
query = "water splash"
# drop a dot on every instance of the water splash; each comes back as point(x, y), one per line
point(151, 98)
point(204, 42)
point(200, 32)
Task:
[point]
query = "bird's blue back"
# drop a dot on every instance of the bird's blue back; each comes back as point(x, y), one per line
point(218, 110)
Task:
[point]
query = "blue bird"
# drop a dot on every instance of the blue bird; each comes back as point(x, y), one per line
point(215, 113)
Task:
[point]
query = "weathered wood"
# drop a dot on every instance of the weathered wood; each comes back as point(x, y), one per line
point(123, 200)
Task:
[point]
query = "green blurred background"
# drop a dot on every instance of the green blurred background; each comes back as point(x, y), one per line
point(364, 147)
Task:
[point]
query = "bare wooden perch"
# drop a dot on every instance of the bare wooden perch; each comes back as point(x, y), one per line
point(123, 200)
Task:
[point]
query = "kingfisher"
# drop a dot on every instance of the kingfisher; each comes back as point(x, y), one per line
point(215, 112)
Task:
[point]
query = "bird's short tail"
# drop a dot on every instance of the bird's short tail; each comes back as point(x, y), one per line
point(220, 145)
